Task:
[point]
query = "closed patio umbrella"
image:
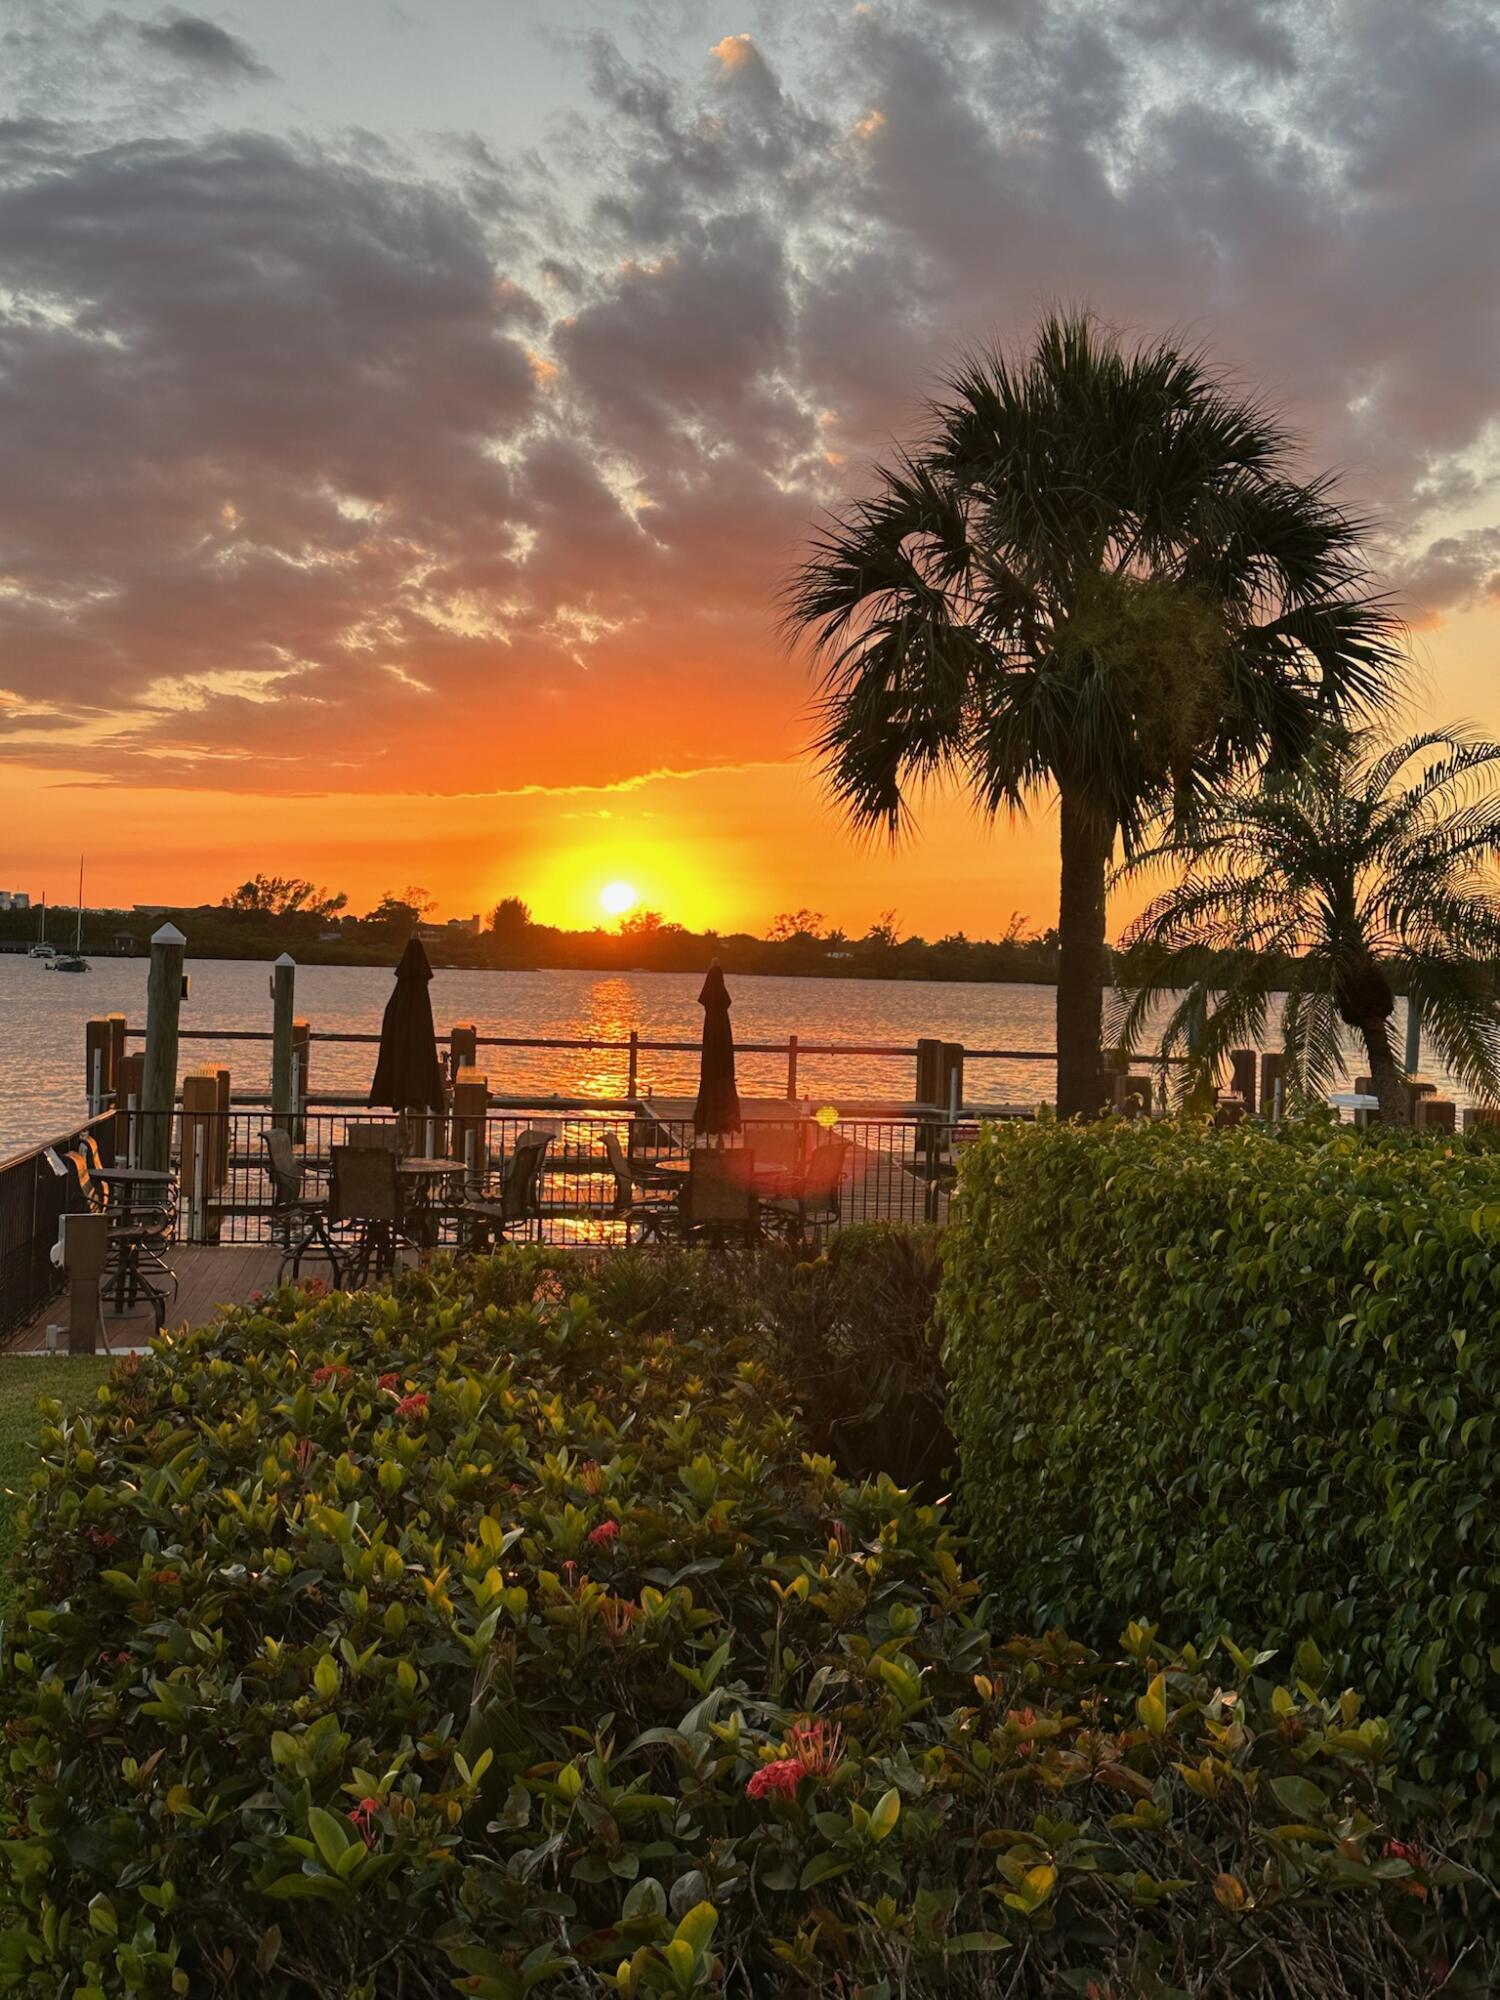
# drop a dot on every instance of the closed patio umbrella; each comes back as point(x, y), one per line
point(717, 1111)
point(408, 1074)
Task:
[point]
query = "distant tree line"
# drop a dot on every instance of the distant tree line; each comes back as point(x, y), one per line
point(271, 913)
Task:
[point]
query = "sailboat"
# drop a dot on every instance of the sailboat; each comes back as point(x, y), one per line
point(41, 949)
point(74, 960)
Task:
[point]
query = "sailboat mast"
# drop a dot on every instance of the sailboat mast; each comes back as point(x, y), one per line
point(78, 932)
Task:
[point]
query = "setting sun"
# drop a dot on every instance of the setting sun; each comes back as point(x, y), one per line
point(616, 899)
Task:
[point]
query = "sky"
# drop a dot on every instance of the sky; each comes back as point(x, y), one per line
point(409, 412)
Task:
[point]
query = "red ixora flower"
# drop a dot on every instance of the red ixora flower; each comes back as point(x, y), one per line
point(1023, 1721)
point(333, 1371)
point(1407, 1851)
point(780, 1779)
point(390, 1380)
point(414, 1405)
point(816, 1747)
point(362, 1819)
point(166, 1576)
point(604, 1534)
point(315, 1288)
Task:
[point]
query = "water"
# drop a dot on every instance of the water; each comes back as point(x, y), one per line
point(41, 1046)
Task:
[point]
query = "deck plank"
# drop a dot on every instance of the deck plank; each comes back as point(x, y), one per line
point(207, 1276)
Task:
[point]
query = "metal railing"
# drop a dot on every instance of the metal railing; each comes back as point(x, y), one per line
point(629, 1049)
point(894, 1170)
point(34, 1197)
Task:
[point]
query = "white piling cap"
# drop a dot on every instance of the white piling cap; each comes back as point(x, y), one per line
point(286, 959)
point(168, 934)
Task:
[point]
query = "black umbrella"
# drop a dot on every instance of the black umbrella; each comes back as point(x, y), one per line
point(718, 1108)
point(408, 1074)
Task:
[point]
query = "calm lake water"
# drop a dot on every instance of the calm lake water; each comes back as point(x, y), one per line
point(41, 1047)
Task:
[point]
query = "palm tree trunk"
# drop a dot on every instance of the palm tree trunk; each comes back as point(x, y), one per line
point(1384, 1073)
point(1087, 840)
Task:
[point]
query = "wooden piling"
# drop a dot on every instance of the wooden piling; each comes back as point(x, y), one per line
point(283, 1012)
point(201, 1152)
point(159, 1077)
point(301, 1062)
point(791, 1068)
point(463, 1048)
point(97, 1052)
point(471, 1106)
point(1436, 1114)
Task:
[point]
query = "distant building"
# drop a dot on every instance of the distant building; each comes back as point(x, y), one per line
point(17, 899)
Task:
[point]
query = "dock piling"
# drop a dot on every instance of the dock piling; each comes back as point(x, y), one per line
point(159, 1078)
point(283, 1011)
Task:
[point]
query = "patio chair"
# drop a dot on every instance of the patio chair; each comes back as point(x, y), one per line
point(649, 1200)
point(299, 1222)
point(136, 1266)
point(365, 1197)
point(516, 1205)
point(781, 1145)
point(719, 1201)
point(814, 1203)
point(383, 1133)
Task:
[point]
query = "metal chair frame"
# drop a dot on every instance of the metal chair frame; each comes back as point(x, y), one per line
point(292, 1211)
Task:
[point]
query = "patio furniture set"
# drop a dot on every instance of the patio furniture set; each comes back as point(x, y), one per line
point(378, 1201)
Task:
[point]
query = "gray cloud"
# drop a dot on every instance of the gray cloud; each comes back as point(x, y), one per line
point(203, 44)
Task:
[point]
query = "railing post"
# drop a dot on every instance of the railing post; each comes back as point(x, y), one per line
point(159, 1078)
point(1242, 1076)
point(283, 1010)
point(1272, 1068)
point(97, 1049)
point(633, 1064)
point(301, 1054)
point(223, 1098)
point(791, 1067)
point(471, 1110)
point(200, 1147)
point(127, 1103)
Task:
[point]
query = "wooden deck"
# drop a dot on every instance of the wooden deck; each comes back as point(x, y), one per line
point(206, 1279)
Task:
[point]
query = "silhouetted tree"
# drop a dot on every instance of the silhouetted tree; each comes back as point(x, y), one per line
point(1096, 575)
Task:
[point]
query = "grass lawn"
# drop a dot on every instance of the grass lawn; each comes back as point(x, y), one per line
point(72, 1380)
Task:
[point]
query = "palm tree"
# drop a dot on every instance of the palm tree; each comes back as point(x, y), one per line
point(1361, 871)
point(1095, 575)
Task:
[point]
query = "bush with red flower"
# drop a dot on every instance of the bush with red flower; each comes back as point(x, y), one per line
point(424, 1721)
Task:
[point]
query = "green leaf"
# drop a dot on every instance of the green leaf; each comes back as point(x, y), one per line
point(1300, 1796)
point(697, 1927)
point(332, 1836)
point(822, 1868)
point(885, 1814)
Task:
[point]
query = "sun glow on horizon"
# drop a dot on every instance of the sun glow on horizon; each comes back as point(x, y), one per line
point(618, 899)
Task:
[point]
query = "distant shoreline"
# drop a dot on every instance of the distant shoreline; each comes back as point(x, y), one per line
point(322, 955)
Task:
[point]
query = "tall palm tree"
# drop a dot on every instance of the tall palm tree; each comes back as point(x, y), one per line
point(1094, 574)
point(1363, 870)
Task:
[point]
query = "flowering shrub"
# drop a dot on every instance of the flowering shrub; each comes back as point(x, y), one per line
point(556, 1664)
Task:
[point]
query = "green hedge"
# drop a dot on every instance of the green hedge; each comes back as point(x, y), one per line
point(1248, 1379)
point(497, 1635)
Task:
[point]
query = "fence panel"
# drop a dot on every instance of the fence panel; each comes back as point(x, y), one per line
point(34, 1197)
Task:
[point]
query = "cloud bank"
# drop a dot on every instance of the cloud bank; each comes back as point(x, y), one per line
point(329, 465)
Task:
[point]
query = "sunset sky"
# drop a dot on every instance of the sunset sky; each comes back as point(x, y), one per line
point(410, 407)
